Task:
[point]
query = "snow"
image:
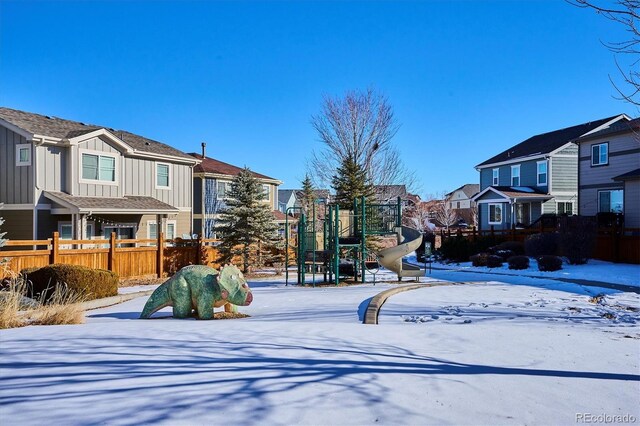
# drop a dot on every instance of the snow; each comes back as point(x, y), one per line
point(498, 350)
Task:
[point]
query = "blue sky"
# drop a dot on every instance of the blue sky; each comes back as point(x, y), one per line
point(466, 79)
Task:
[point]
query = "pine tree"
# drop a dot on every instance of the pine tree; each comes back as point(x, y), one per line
point(247, 222)
point(307, 196)
point(350, 181)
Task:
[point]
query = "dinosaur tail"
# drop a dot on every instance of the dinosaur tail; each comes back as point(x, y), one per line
point(158, 300)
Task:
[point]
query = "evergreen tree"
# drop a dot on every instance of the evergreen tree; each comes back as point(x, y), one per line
point(247, 222)
point(350, 181)
point(307, 196)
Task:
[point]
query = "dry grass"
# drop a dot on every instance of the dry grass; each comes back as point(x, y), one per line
point(16, 310)
point(228, 315)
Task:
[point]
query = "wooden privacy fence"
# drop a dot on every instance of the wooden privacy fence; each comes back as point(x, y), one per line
point(613, 244)
point(127, 258)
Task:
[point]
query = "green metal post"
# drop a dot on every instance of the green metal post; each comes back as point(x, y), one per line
point(286, 249)
point(313, 233)
point(336, 245)
point(363, 231)
point(302, 248)
point(399, 213)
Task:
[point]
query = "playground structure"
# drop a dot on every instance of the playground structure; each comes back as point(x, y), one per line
point(335, 244)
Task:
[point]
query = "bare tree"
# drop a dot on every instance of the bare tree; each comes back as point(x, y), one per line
point(445, 214)
point(212, 207)
point(360, 125)
point(419, 217)
point(626, 13)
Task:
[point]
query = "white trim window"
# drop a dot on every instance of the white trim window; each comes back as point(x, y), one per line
point(23, 154)
point(266, 191)
point(98, 168)
point(515, 175)
point(541, 168)
point(163, 175)
point(564, 207)
point(169, 231)
point(495, 213)
point(611, 201)
point(600, 154)
point(65, 230)
point(224, 187)
point(495, 177)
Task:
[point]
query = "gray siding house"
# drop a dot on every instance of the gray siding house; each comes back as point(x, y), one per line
point(535, 177)
point(87, 181)
point(211, 182)
point(609, 172)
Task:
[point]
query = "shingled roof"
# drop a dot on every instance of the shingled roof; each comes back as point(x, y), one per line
point(60, 128)
point(129, 203)
point(211, 165)
point(546, 142)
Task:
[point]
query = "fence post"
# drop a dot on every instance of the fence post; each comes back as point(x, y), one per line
point(475, 235)
point(616, 243)
point(199, 250)
point(492, 233)
point(55, 247)
point(112, 252)
point(160, 255)
point(459, 233)
point(513, 232)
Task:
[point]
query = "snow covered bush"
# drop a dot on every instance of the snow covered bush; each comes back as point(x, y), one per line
point(549, 263)
point(541, 244)
point(494, 261)
point(516, 247)
point(518, 262)
point(479, 259)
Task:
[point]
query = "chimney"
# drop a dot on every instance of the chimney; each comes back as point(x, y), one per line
point(204, 147)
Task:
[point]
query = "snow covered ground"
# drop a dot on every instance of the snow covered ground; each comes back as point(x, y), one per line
point(502, 350)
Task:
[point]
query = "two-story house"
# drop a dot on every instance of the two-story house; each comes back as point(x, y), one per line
point(87, 181)
point(460, 201)
point(537, 176)
point(609, 172)
point(211, 183)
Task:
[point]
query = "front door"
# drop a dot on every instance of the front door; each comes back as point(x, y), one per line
point(523, 214)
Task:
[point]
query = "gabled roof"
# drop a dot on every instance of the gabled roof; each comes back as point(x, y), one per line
point(59, 128)
point(211, 165)
point(514, 192)
point(622, 126)
point(284, 195)
point(546, 143)
point(469, 189)
point(127, 204)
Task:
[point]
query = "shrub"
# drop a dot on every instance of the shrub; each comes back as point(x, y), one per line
point(456, 249)
point(576, 239)
point(518, 262)
point(494, 261)
point(541, 244)
point(503, 254)
point(516, 247)
point(549, 263)
point(479, 259)
point(91, 283)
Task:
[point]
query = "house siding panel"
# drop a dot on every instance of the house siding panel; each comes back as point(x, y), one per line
point(52, 165)
point(197, 195)
point(632, 204)
point(140, 175)
point(18, 224)
point(16, 182)
point(564, 174)
point(618, 164)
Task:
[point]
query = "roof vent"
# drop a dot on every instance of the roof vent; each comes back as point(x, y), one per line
point(147, 143)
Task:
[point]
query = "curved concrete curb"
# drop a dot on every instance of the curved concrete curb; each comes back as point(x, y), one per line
point(373, 309)
point(113, 300)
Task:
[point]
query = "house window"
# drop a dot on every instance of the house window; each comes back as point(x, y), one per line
point(169, 232)
point(163, 175)
point(515, 175)
point(23, 154)
point(223, 189)
point(495, 214)
point(65, 230)
point(266, 191)
point(542, 173)
point(565, 207)
point(98, 167)
point(457, 204)
point(600, 154)
point(496, 177)
point(611, 201)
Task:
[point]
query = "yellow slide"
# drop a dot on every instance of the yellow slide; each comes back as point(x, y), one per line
point(409, 240)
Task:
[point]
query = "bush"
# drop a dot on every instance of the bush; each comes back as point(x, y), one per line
point(516, 247)
point(90, 283)
point(518, 262)
point(503, 254)
point(549, 263)
point(460, 249)
point(576, 239)
point(494, 261)
point(541, 244)
point(479, 259)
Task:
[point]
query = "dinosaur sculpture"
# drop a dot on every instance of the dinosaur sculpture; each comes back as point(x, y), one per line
point(199, 288)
